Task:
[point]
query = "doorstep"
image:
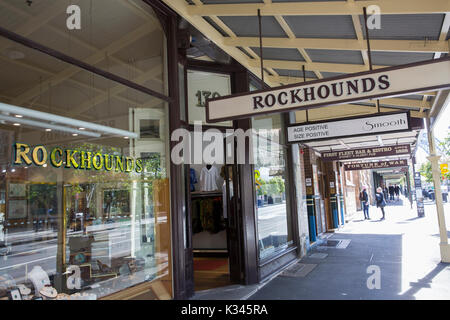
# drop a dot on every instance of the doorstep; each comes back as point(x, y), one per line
point(238, 291)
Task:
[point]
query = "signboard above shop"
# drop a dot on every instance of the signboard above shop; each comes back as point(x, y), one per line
point(367, 153)
point(375, 165)
point(360, 126)
point(391, 81)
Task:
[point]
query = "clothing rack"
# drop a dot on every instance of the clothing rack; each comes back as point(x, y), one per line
point(212, 194)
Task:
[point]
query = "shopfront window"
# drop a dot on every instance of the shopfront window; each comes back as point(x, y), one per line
point(84, 180)
point(274, 227)
point(120, 37)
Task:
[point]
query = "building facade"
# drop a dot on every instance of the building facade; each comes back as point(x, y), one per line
point(92, 205)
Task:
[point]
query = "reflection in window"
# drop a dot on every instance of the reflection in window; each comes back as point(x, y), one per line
point(88, 214)
point(274, 229)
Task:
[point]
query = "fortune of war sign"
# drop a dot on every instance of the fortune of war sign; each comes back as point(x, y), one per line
point(369, 125)
point(367, 153)
point(362, 86)
point(375, 165)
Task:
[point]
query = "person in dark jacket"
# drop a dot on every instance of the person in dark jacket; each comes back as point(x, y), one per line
point(381, 202)
point(364, 198)
point(397, 191)
point(386, 193)
point(391, 192)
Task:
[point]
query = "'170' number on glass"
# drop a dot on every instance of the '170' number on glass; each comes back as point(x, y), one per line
point(204, 95)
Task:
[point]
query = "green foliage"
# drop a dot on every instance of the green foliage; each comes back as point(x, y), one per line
point(425, 171)
point(445, 145)
point(275, 186)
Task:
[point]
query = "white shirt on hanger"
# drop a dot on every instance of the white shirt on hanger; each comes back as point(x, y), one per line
point(208, 179)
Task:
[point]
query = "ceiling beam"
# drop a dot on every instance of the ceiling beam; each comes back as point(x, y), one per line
point(93, 59)
point(316, 66)
point(359, 35)
point(70, 80)
point(117, 89)
point(344, 110)
point(232, 35)
point(419, 46)
point(319, 8)
point(182, 8)
point(443, 35)
point(291, 35)
point(31, 25)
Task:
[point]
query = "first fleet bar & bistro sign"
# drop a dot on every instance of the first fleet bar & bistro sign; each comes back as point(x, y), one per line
point(374, 152)
point(75, 159)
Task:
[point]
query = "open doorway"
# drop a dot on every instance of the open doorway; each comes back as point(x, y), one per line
point(213, 218)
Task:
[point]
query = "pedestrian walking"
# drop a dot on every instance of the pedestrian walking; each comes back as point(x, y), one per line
point(386, 193)
point(364, 198)
point(397, 191)
point(381, 202)
point(391, 192)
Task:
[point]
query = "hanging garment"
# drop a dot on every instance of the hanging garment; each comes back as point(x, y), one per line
point(207, 214)
point(208, 179)
point(196, 222)
point(193, 179)
point(224, 196)
point(209, 217)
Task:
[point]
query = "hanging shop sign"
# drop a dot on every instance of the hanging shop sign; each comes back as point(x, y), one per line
point(40, 156)
point(397, 80)
point(359, 126)
point(367, 153)
point(375, 165)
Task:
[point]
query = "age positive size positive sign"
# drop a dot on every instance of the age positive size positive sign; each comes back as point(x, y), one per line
point(351, 127)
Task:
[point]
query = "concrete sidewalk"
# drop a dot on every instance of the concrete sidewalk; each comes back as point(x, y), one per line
point(404, 247)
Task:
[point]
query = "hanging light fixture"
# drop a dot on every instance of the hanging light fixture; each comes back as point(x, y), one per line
point(57, 120)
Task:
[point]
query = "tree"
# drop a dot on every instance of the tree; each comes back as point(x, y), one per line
point(445, 145)
point(425, 171)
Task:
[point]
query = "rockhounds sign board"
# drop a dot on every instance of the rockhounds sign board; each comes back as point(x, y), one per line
point(391, 81)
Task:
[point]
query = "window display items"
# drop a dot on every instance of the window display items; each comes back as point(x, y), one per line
point(48, 292)
point(24, 291)
point(39, 278)
point(208, 178)
point(15, 294)
point(6, 284)
point(193, 179)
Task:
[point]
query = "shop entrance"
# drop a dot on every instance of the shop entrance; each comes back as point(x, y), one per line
point(213, 224)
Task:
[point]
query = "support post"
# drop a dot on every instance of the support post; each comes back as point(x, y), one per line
point(369, 53)
point(435, 170)
point(261, 48)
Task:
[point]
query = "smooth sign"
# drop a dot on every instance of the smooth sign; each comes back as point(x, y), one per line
point(347, 128)
point(418, 77)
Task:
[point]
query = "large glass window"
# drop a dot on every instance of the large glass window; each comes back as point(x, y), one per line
point(84, 179)
point(274, 227)
point(121, 37)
